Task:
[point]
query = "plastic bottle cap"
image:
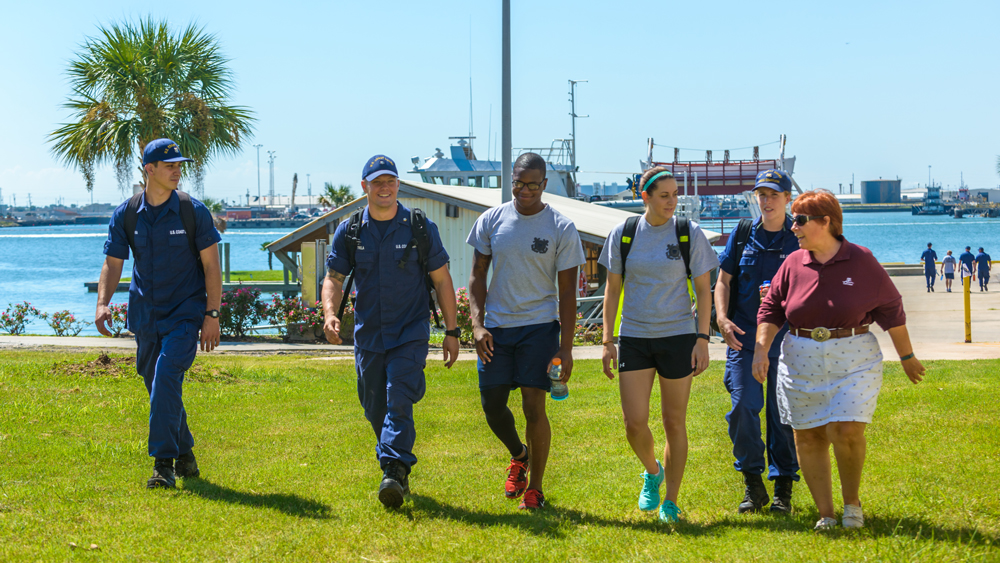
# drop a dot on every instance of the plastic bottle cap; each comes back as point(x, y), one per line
point(556, 362)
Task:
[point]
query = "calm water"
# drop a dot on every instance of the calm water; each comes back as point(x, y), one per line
point(48, 266)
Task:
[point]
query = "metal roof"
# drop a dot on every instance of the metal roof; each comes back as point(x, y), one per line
point(593, 222)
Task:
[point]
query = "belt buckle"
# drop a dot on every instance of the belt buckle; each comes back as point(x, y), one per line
point(820, 334)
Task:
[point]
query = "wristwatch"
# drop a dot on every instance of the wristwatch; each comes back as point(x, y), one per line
point(705, 336)
point(214, 313)
point(456, 332)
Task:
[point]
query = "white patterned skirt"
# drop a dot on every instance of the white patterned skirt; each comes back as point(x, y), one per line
point(833, 381)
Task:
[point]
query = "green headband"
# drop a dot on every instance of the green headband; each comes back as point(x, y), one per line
point(657, 176)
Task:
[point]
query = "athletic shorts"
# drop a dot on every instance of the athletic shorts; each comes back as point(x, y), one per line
point(521, 357)
point(669, 355)
point(950, 276)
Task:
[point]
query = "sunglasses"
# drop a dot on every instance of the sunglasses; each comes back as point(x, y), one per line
point(801, 220)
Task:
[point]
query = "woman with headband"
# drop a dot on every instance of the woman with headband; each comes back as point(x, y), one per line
point(664, 257)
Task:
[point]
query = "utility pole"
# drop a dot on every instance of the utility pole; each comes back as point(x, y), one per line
point(270, 160)
point(572, 113)
point(309, 189)
point(506, 175)
point(258, 177)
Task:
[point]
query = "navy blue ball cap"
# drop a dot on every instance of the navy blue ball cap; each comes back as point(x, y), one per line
point(777, 180)
point(378, 165)
point(163, 150)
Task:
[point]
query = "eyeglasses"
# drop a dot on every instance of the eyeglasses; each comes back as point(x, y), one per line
point(534, 187)
point(801, 220)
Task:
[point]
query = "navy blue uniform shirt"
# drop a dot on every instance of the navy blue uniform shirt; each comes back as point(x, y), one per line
point(928, 258)
point(759, 262)
point(966, 259)
point(167, 286)
point(983, 262)
point(391, 307)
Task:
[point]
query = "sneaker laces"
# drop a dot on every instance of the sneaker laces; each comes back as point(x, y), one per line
point(533, 498)
point(669, 511)
point(651, 483)
point(516, 471)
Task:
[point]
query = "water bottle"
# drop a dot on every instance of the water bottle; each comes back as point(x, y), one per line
point(559, 389)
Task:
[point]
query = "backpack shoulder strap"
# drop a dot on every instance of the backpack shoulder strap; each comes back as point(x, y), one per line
point(418, 222)
point(743, 234)
point(190, 225)
point(684, 242)
point(132, 219)
point(628, 233)
point(353, 235)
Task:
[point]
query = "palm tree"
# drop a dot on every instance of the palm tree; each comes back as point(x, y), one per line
point(263, 247)
point(214, 206)
point(336, 197)
point(136, 82)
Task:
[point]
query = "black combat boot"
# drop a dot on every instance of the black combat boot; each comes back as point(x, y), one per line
point(163, 475)
point(756, 495)
point(186, 466)
point(782, 495)
point(395, 485)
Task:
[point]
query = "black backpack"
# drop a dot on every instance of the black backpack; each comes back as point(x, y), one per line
point(683, 229)
point(683, 240)
point(187, 219)
point(742, 234)
point(421, 241)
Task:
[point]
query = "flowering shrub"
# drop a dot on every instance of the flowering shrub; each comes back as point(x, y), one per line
point(240, 310)
point(587, 335)
point(279, 311)
point(464, 315)
point(308, 319)
point(16, 316)
point(119, 317)
point(64, 323)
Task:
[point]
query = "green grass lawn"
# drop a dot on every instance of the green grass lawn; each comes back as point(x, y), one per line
point(289, 473)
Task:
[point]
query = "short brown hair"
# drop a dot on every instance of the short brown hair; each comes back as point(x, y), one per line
point(649, 174)
point(821, 202)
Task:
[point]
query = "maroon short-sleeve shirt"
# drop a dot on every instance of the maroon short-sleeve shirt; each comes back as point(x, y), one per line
point(850, 290)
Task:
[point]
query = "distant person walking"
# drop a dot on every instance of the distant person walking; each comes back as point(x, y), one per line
point(967, 259)
point(658, 335)
point(749, 260)
point(929, 257)
point(525, 319)
point(830, 371)
point(391, 317)
point(176, 292)
point(985, 265)
point(948, 270)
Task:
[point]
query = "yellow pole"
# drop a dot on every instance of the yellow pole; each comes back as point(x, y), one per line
point(967, 289)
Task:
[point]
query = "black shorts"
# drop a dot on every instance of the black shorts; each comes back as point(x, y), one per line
point(670, 355)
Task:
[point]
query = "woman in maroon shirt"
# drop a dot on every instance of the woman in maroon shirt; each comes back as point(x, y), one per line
point(830, 370)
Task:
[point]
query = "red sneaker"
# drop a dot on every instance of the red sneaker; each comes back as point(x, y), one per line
point(533, 498)
point(517, 479)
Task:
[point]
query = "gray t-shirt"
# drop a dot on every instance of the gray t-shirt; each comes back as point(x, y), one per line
point(528, 253)
point(949, 264)
point(656, 302)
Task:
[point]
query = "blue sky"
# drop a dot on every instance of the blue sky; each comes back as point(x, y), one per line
point(876, 89)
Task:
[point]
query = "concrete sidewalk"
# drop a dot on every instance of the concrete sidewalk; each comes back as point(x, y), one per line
point(936, 322)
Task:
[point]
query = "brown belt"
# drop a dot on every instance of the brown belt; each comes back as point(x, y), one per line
point(822, 334)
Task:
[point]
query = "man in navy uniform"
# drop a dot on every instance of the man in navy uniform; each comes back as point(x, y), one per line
point(391, 319)
point(985, 266)
point(744, 271)
point(966, 260)
point(929, 258)
point(170, 300)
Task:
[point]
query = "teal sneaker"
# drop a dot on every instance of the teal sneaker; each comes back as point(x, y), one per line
point(669, 512)
point(649, 496)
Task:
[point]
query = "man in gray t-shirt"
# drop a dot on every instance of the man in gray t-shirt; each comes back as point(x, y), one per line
point(525, 320)
point(652, 308)
point(948, 270)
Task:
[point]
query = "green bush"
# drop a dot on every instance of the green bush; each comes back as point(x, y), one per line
point(240, 310)
point(16, 316)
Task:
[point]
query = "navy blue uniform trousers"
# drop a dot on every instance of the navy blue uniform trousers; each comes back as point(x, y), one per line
point(744, 419)
point(389, 384)
point(162, 363)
